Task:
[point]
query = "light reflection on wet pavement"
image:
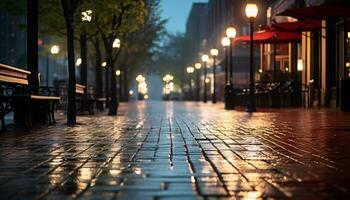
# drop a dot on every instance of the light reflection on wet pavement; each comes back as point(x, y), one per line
point(160, 150)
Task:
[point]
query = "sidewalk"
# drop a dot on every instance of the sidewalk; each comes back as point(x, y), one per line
point(174, 150)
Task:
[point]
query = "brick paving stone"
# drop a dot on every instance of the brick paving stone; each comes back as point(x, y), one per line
point(173, 150)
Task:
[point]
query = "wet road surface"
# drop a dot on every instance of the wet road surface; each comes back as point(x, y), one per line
point(157, 150)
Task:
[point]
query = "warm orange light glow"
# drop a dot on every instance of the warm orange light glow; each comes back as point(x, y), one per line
point(198, 65)
point(205, 58)
point(225, 41)
point(231, 32)
point(251, 10)
point(214, 52)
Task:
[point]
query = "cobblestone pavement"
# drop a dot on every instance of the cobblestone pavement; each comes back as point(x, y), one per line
point(181, 151)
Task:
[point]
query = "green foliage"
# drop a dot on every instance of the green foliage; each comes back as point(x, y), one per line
point(16, 8)
point(176, 53)
point(140, 46)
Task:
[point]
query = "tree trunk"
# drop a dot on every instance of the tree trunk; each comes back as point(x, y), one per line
point(98, 57)
point(68, 15)
point(32, 41)
point(113, 104)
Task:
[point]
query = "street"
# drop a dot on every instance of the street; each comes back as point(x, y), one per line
point(181, 150)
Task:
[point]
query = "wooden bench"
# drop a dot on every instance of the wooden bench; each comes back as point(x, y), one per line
point(17, 96)
point(101, 103)
point(85, 102)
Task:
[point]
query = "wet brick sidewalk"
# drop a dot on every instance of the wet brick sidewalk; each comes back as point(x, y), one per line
point(181, 151)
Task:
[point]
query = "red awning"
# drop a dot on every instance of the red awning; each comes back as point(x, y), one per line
point(319, 12)
point(271, 36)
point(298, 26)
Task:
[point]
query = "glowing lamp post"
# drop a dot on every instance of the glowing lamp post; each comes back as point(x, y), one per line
point(229, 89)
point(141, 87)
point(54, 50)
point(169, 85)
point(214, 53)
point(205, 59)
point(118, 73)
point(251, 11)
point(225, 42)
point(116, 44)
point(198, 66)
point(190, 71)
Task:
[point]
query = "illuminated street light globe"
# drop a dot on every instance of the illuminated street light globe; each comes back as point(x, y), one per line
point(207, 80)
point(118, 72)
point(104, 64)
point(214, 52)
point(198, 66)
point(78, 62)
point(231, 32)
point(251, 10)
point(205, 58)
point(140, 78)
point(167, 78)
point(225, 41)
point(55, 49)
point(116, 43)
point(190, 70)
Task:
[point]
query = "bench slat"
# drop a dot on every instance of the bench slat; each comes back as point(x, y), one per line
point(14, 69)
point(44, 97)
point(13, 80)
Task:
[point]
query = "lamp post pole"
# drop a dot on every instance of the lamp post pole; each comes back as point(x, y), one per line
point(198, 86)
point(230, 95)
point(214, 80)
point(251, 12)
point(205, 97)
point(214, 53)
point(251, 105)
point(190, 70)
point(205, 59)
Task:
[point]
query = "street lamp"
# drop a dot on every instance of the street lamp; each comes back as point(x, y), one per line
point(225, 42)
point(190, 71)
point(205, 59)
point(198, 66)
point(54, 50)
point(78, 62)
point(214, 53)
point(169, 86)
point(229, 89)
point(118, 74)
point(251, 11)
point(116, 43)
point(141, 87)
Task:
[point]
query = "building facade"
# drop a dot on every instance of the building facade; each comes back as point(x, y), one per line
point(323, 53)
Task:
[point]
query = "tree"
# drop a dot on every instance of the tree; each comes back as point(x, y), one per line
point(69, 8)
point(176, 53)
point(116, 18)
point(141, 45)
